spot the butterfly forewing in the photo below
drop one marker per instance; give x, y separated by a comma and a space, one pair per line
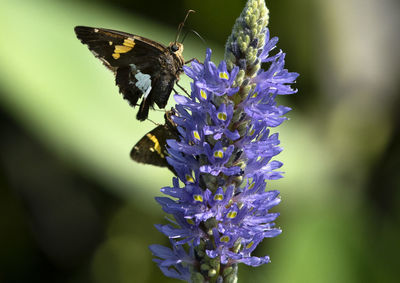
120, 48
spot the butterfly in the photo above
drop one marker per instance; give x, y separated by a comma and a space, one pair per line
143, 68
151, 148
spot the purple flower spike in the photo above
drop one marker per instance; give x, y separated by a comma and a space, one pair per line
225, 154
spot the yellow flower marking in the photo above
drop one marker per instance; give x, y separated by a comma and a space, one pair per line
218, 154
224, 239
251, 186
223, 75
198, 198
189, 179
218, 197
249, 245
222, 116
232, 214
196, 135
203, 94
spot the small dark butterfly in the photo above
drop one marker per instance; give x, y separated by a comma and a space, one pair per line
142, 67
151, 149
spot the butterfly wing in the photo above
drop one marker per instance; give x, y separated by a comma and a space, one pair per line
119, 49
142, 66
151, 149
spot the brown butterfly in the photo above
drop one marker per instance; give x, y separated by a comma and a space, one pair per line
143, 68
151, 149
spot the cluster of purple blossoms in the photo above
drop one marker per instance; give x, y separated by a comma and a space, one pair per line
220, 207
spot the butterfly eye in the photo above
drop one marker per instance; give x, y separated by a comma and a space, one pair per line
174, 48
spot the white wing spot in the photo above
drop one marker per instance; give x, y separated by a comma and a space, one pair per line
143, 81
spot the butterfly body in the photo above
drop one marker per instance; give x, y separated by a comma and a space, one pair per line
143, 68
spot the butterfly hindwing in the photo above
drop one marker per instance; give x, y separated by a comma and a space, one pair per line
143, 67
151, 149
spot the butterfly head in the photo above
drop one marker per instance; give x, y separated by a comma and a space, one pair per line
177, 49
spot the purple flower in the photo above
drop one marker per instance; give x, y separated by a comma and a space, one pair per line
221, 118
209, 78
176, 257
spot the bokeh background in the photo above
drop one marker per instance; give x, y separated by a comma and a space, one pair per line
74, 207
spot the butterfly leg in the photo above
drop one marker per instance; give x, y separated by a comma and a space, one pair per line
155, 123
184, 90
189, 61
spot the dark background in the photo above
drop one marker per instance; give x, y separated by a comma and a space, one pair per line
74, 208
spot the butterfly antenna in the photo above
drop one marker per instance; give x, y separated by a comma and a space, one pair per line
196, 33
182, 24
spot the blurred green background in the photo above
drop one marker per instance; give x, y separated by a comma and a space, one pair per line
75, 208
